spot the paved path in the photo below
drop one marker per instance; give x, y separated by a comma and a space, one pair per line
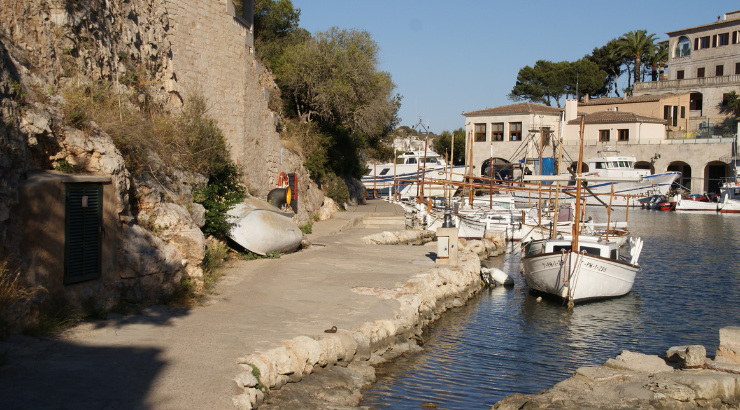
185, 359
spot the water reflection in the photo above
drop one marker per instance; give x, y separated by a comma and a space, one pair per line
505, 341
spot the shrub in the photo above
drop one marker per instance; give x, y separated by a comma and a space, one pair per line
307, 228
223, 191
335, 188
216, 253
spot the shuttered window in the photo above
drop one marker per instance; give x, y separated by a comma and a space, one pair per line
83, 232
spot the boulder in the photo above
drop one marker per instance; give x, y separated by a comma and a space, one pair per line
689, 356
638, 362
729, 345
245, 379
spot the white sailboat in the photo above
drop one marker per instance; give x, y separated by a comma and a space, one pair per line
582, 268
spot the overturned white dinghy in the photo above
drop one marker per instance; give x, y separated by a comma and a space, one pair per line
262, 228
496, 275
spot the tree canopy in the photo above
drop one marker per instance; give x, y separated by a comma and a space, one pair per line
442, 145
334, 78
636, 45
275, 28
547, 81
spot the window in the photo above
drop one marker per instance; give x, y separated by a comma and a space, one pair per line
700, 72
696, 43
599, 165
719, 70
83, 225
497, 131
704, 42
734, 37
624, 135
666, 112
515, 131
725, 97
411, 160
714, 40
683, 47
603, 135
480, 132
679, 75
723, 39
737, 68
683, 111
675, 115
384, 171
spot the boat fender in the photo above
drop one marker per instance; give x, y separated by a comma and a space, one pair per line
279, 197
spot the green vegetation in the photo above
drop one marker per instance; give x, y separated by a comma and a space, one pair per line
64, 166
442, 145
191, 142
547, 81
336, 100
307, 228
250, 256
596, 74
61, 316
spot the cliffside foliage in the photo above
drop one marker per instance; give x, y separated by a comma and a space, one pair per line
153, 141
442, 145
337, 101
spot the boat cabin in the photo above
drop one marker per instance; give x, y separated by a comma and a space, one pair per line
611, 164
417, 157
730, 189
589, 245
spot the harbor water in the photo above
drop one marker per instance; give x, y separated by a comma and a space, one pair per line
504, 341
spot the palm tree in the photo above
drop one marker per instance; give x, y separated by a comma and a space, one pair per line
635, 45
657, 57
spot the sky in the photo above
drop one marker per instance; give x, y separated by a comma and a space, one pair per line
449, 57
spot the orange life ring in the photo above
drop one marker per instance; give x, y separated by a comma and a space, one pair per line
283, 180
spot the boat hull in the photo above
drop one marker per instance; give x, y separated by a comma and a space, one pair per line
684, 205
262, 230
578, 277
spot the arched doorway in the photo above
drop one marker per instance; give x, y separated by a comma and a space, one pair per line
645, 165
714, 172
501, 168
684, 169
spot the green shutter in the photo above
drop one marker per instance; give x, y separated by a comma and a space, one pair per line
83, 233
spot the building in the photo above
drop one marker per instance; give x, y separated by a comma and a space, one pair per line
512, 133
704, 61
673, 108
498, 132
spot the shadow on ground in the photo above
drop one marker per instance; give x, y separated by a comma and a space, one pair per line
52, 374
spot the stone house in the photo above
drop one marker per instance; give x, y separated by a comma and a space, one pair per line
704, 61
497, 133
703, 162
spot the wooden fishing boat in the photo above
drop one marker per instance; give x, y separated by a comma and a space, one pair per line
582, 268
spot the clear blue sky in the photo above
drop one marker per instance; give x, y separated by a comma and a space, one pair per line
447, 57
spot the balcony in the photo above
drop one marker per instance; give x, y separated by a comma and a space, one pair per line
685, 84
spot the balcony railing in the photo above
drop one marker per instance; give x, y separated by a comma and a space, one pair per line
687, 83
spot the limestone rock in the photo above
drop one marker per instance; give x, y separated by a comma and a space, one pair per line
242, 402
729, 344
638, 362
690, 356
328, 209
306, 350
245, 379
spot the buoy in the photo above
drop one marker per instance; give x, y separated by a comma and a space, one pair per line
498, 275
283, 181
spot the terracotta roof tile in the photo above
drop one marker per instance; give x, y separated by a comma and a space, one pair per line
602, 117
519, 108
625, 100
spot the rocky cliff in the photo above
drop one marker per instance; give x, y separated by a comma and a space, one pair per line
156, 53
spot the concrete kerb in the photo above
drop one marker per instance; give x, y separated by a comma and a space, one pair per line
423, 298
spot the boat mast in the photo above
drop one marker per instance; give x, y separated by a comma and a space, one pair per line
577, 222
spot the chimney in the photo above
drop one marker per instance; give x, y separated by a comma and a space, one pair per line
571, 109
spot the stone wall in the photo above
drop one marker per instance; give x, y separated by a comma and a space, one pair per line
211, 55
160, 52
